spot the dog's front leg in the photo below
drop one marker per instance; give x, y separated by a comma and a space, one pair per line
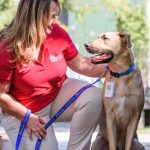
131, 131
111, 130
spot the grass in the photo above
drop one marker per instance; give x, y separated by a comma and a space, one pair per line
145, 130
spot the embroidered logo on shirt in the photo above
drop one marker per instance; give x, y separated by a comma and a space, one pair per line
56, 58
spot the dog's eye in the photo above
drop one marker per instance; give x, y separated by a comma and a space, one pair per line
105, 38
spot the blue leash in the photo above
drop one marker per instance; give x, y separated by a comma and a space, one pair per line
22, 127
64, 107
70, 101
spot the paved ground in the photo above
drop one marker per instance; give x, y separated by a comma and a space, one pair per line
62, 134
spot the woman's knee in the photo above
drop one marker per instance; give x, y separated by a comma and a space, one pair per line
95, 99
90, 101
91, 96
96, 95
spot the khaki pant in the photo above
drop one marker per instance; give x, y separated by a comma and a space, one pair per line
84, 115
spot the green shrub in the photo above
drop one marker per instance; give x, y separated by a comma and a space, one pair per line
132, 19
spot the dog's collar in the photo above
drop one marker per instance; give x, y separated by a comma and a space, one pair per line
119, 74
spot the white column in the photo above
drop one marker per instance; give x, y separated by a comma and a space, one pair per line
148, 15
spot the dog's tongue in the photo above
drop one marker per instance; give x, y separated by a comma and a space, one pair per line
100, 57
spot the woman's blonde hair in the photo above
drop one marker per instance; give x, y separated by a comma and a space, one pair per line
27, 28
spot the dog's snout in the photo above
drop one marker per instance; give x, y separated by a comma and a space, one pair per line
87, 45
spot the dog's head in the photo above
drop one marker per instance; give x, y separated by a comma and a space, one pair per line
109, 46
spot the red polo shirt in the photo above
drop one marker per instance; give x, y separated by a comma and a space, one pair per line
37, 85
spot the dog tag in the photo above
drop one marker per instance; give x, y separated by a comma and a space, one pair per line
109, 89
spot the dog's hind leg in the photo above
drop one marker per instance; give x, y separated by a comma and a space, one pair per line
111, 130
131, 131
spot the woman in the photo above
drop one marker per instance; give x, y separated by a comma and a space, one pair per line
35, 52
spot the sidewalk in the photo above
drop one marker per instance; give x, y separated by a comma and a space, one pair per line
62, 134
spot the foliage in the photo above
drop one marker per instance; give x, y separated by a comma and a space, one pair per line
144, 130
4, 4
7, 11
132, 19
80, 8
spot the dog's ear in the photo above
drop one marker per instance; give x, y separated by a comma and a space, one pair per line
125, 38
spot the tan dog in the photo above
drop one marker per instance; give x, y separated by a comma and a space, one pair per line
123, 96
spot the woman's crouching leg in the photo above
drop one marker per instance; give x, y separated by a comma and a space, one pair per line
85, 119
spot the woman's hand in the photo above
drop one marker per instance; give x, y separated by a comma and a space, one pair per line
35, 125
11, 106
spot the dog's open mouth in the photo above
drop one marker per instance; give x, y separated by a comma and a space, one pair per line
103, 57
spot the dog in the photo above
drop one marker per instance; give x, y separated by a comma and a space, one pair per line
123, 94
